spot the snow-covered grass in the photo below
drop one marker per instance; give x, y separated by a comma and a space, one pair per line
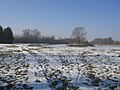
58, 67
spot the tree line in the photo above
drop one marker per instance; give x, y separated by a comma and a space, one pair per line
6, 35
108, 40
34, 36
78, 37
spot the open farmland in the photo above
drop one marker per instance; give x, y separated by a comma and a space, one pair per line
58, 67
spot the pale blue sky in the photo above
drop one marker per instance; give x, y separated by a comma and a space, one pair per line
100, 18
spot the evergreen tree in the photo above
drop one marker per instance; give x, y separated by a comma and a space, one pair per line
8, 36
1, 34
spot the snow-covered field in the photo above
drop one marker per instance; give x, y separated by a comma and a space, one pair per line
58, 67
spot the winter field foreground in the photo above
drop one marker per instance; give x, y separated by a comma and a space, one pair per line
58, 67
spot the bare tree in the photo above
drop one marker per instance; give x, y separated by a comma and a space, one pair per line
78, 35
31, 35
26, 33
36, 34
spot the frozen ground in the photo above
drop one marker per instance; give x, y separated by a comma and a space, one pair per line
58, 67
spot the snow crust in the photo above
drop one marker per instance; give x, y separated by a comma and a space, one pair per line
49, 67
